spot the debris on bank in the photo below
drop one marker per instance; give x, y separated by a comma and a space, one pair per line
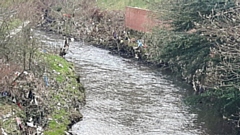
44, 102
104, 29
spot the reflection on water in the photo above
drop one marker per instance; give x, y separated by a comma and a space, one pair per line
124, 98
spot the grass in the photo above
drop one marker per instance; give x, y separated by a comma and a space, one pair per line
9, 24
58, 125
121, 4
60, 65
14, 23
60, 115
9, 3
9, 124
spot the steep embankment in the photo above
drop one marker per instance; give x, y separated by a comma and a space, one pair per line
42, 99
39, 92
51, 102
67, 95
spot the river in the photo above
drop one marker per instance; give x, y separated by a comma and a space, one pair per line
127, 98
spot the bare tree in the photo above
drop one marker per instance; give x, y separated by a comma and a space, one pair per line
222, 28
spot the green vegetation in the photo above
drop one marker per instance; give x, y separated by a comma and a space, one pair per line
15, 23
185, 53
121, 4
8, 25
59, 65
201, 47
185, 15
20, 53
72, 90
65, 89
9, 3
60, 120
59, 124
10, 123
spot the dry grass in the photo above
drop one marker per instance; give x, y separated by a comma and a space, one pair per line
4, 109
7, 73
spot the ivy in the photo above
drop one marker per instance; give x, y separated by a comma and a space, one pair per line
186, 13
188, 52
215, 24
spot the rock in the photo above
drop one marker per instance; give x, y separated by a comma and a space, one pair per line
75, 116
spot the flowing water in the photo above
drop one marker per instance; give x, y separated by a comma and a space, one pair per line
125, 98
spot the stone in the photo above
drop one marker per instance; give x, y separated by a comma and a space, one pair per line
75, 116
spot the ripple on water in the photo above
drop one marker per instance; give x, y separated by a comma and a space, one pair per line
126, 99
123, 99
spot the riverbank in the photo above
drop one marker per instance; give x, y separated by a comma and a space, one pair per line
40, 92
44, 101
68, 95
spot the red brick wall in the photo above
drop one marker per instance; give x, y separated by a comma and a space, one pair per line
139, 19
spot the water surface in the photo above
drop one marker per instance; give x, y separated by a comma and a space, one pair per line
125, 98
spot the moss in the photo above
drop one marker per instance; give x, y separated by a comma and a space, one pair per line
14, 23
58, 125
60, 115
60, 65
54, 62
